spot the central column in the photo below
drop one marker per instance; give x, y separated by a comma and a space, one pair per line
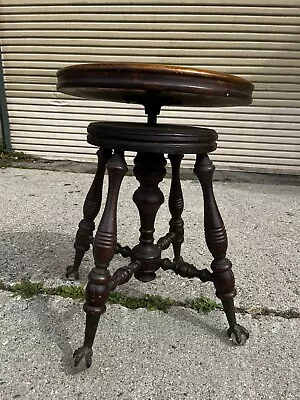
149, 170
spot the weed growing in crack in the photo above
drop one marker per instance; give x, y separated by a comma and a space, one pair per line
149, 302
29, 289
201, 304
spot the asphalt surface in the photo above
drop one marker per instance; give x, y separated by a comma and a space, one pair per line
141, 354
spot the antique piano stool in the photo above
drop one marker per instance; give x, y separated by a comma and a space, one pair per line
152, 86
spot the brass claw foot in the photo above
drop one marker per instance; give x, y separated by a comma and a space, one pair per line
83, 353
72, 273
238, 334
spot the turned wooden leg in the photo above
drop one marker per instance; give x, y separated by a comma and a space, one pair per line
176, 205
149, 170
91, 207
216, 240
104, 247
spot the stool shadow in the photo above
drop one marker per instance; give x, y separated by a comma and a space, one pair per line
197, 319
53, 325
40, 256
36, 255
189, 316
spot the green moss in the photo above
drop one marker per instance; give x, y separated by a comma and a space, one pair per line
29, 289
72, 292
201, 304
149, 302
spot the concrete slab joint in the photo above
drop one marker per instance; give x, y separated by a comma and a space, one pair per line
141, 354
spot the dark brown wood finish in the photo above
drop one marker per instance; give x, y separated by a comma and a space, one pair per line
159, 138
104, 247
186, 270
176, 205
125, 251
149, 170
152, 86
91, 207
216, 239
123, 274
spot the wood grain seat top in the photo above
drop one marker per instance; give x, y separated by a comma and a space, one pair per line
147, 83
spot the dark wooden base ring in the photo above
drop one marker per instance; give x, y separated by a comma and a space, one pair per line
158, 138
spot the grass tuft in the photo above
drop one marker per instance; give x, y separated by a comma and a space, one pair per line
149, 302
28, 289
72, 292
201, 304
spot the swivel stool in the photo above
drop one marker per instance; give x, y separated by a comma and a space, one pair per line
152, 86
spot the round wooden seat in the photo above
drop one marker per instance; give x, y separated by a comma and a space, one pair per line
153, 86
160, 84
158, 138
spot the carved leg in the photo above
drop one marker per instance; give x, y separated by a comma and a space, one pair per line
216, 240
176, 205
91, 209
104, 247
149, 170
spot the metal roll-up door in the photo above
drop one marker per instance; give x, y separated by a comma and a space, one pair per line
258, 40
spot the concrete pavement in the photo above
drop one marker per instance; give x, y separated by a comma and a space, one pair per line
141, 354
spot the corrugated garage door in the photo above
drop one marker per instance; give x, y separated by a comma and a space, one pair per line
258, 40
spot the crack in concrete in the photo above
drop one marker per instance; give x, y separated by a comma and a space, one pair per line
257, 312
160, 303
